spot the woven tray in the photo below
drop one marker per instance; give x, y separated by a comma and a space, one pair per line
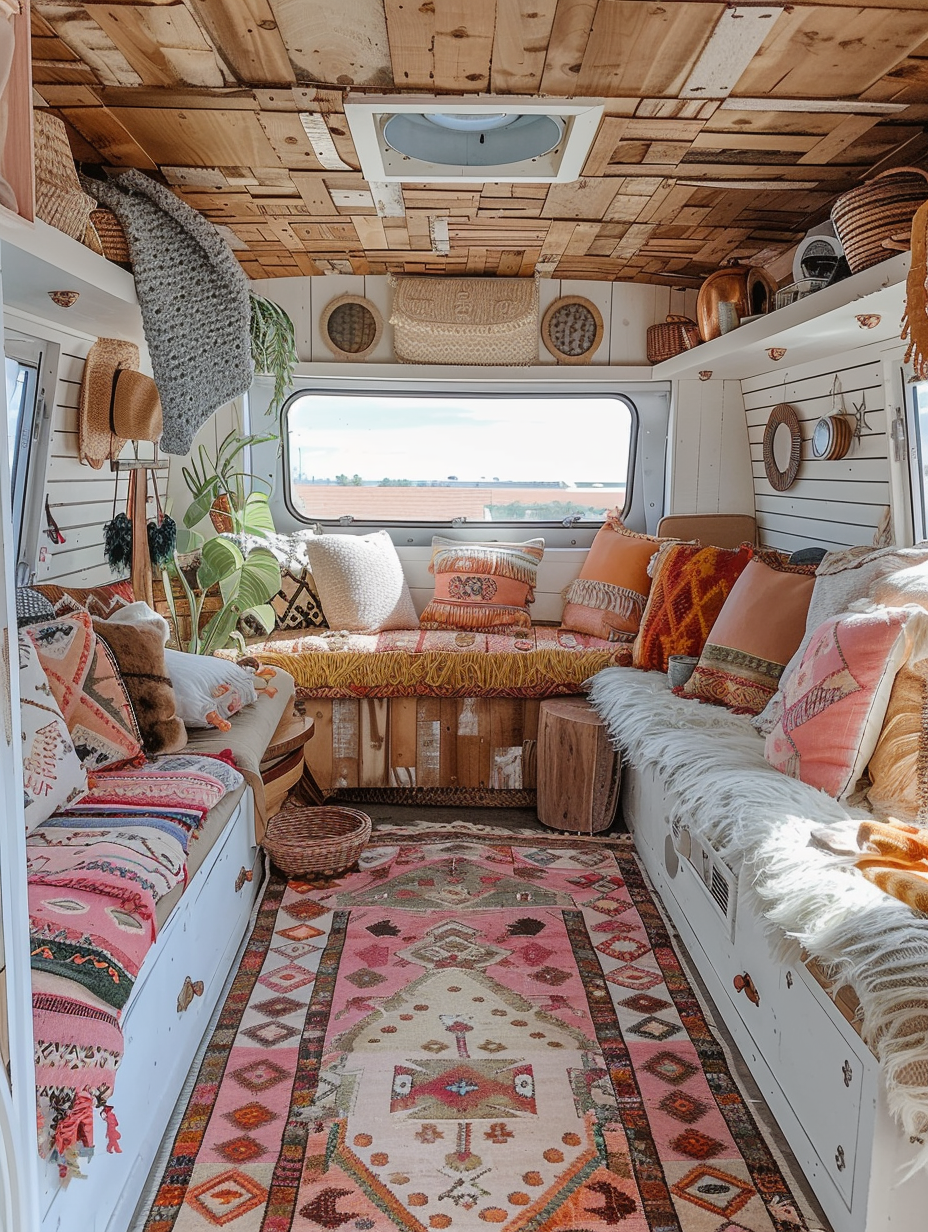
325, 840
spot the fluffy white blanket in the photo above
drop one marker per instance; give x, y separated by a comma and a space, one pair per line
713, 761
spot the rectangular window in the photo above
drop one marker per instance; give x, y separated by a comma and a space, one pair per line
21, 391
409, 458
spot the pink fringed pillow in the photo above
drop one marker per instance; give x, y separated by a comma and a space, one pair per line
835, 699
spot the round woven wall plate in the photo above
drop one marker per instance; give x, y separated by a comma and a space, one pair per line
779, 479
572, 329
351, 326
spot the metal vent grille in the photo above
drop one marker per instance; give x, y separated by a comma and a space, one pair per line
720, 891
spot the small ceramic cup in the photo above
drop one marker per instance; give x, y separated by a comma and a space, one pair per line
680, 668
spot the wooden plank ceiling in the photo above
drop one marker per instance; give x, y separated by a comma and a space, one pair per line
728, 129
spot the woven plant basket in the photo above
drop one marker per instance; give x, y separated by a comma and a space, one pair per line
59, 199
327, 840
672, 337
873, 213
113, 242
212, 603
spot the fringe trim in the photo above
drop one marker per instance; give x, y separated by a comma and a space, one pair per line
538, 673
602, 596
754, 815
485, 617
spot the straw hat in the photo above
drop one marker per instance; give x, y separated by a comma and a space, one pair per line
96, 442
136, 406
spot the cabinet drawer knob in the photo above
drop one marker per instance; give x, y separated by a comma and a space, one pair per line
744, 983
848, 1073
245, 874
191, 989
839, 1159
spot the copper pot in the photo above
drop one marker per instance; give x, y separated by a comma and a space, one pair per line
728, 285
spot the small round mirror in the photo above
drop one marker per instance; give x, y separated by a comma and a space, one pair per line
782, 446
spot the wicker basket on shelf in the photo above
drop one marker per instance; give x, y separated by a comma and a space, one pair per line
870, 217
59, 199
671, 337
322, 841
111, 235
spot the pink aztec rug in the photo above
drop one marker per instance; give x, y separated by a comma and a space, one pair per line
466, 1034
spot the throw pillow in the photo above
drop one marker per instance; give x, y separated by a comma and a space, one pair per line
608, 598
53, 774
297, 604
845, 578
754, 636
485, 586
139, 653
899, 765
689, 585
85, 682
100, 601
360, 582
32, 607
208, 691
835, 699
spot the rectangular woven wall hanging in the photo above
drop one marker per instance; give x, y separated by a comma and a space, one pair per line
465, 320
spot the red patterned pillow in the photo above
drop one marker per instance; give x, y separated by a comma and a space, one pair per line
101, 601
86, 684
689, 584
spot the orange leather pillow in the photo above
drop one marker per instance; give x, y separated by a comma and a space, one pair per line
690, 583
608, 598
755, 635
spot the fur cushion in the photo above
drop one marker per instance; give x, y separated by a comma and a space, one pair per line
139, 653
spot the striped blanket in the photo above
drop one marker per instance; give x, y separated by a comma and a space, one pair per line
96, 872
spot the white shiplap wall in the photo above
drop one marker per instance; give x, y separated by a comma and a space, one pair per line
80, 498
627, 308
832, 504
709, 467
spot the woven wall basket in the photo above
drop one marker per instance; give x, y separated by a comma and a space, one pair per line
873, 213
465, 320
113, 242
671, 337
59, 199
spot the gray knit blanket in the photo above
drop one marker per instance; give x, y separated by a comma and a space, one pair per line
194, 299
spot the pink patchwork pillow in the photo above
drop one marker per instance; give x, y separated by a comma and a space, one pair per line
835, 698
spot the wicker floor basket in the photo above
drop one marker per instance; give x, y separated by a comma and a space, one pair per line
876, 212
324, 840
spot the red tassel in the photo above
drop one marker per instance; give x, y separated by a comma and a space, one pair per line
226, 755
77, 1126
112, 1130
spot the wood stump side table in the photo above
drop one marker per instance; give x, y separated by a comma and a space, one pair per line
283, 766
579, 772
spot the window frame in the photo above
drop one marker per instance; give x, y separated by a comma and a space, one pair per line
28, 494
917, 458
432, 525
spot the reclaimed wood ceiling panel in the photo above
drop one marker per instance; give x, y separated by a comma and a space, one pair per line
728, 130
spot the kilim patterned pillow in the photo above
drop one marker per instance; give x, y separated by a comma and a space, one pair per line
754, 636
53, 775
485, 586
689, 584
86, 684
101, 601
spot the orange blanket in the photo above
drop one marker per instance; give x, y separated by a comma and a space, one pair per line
894, 856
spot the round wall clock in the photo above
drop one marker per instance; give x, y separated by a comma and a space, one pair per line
572, 329
351, 326
782, 446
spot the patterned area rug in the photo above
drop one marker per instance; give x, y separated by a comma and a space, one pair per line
464, 1034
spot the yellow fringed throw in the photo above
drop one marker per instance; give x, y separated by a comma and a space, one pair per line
915, 317
537, 673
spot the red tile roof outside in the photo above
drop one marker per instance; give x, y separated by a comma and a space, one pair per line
441, 504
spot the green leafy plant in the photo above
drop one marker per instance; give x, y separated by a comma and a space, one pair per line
273, 346
246, 583
247, 578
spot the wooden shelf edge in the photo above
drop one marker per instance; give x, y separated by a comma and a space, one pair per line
74, 260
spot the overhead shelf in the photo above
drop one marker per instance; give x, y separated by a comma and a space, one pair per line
37, 259
820, 325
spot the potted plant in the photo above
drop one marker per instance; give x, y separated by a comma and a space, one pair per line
246, 574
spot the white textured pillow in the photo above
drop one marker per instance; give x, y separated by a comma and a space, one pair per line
360, 582
53, 774
208, 691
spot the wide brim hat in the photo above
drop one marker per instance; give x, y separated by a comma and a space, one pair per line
137, 414
96, 442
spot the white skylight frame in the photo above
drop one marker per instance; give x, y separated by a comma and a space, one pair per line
381, 164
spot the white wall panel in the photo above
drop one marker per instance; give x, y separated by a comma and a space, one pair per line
833, 504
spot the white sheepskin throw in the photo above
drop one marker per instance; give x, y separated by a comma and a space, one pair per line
714, 761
